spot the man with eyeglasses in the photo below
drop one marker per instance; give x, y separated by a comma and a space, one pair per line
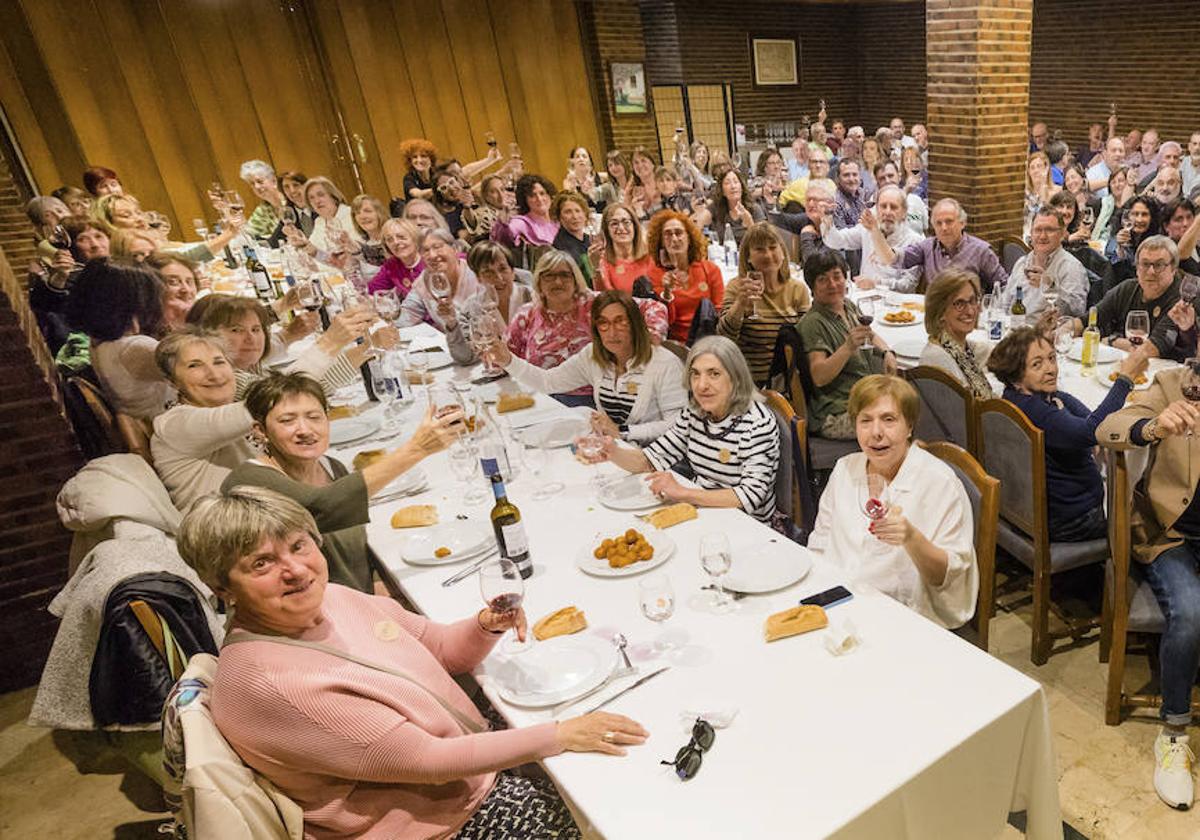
1154, 290
1049, 270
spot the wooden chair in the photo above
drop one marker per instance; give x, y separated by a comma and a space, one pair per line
947, 408
787, 490
1013, 450
1012, 249
820, 453
984, 493
94, 420
135, 434
678, 349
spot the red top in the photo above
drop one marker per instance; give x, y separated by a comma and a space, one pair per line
704, 281
622, 275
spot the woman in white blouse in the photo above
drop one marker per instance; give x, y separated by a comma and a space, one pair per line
637, 386
922, 552
334, 216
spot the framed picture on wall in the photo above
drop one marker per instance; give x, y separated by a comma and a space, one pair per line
629, 87
776, 61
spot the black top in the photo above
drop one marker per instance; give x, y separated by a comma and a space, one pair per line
413, 181
1126, 297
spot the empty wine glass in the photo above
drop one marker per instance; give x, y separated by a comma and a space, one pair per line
754, 287
501, 586
536, 457
874, 500
439, 285
387, 304
1137, 327
866, 315
656, 598
288, 215
418, 366
1064, 337
464, 463
201, 228
387, 389
591, 447
716, 558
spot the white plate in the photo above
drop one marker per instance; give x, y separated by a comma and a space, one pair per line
555, 671
350, 429
918, 317
464, 539
909, 348
766, 566
489, 392
629, 493
663, 545
1151, 371
406, 482
1108, 355
555, 433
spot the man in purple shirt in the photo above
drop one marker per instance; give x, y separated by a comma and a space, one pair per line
949, 246
849, 202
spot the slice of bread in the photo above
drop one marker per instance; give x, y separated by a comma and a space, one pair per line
367, 457
672, 515
559, 623
415, 516
340, 412
513, 402
801, 619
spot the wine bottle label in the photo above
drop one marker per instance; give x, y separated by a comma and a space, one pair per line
515, 542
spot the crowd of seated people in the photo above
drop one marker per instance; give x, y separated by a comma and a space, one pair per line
604, 294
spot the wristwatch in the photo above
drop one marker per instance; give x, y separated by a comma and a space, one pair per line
1150, 431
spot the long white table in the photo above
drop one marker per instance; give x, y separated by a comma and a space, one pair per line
913, 734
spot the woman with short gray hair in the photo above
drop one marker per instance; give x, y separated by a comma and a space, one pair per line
726, 434
264, 221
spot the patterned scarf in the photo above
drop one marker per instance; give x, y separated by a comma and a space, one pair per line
964, 357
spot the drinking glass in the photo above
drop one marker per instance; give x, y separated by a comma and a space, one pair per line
668, 264
716, 558
387, 304
755, 288
656, 597
464, 463
201, 228
866, 314
1189, 287
444, 399
1064, 337
418, 364
1137, 327
288, 215
387, 389
489, 137
514, 150
439, 285
233, 200
874, 500
536, 457
591, 446
501, 585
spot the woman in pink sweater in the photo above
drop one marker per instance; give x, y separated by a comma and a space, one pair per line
363, 750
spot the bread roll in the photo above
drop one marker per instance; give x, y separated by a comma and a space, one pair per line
559, 623
801, 619
415, 516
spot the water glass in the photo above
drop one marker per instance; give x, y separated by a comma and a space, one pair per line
716, 559
464, 464
656, 598
536, 457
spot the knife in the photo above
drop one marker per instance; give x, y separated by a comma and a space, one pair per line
628, 688
463, 574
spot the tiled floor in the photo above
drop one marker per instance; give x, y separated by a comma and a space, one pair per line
55, 785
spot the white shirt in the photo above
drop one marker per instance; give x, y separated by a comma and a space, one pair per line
1064, 272
1096, 172
320, 233
931, 497
130, 376
917, 216
885, 276
1190, 173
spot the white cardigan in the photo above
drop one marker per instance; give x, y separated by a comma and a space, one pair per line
659, 383
932, 498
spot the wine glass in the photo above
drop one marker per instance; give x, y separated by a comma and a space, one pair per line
591, 447
387, 389
439, 285
656, 597
716, 558
387, 304
501, 585
1064, 337
233, 200
1189, 286
874, 499
464, 463
754, 287
1137, 327
444, 399
536, 457
418, 365
489, 137
288, 215
866, 315
201, 228
668, 264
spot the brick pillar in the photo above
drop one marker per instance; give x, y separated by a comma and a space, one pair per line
977, 55
612, 31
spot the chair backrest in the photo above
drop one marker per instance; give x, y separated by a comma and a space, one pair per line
1013, 450
787, 496
676, 348
135, 434
94, 420
947, 407
983, 491
1011, 251
797, 370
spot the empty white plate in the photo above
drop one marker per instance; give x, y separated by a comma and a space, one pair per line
586, 560
555, 671
629, 493
909, 348
350, 429
1107, 354
555, 433
464, 539
765, 566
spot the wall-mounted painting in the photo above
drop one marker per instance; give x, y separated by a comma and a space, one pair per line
629, 87
776, 61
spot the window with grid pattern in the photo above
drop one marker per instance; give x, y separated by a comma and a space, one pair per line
710, 118
668, 114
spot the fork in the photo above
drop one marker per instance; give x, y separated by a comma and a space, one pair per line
737, 596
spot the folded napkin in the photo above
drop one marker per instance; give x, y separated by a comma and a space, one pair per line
841, 637
718, 713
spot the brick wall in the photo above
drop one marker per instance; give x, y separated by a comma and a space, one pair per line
1141, 56
890, 40
37, 454
612, 31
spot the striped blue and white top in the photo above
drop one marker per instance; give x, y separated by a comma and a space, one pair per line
740, 453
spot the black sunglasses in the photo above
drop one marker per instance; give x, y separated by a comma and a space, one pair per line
688, 759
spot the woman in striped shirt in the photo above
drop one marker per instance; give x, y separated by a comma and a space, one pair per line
726, 434
637, 386
754, 309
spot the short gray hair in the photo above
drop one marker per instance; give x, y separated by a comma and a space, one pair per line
1160, 243
168, 349
253, 168
731, 358
414, 203
221, 528
551, 260
953, 202
39, 204
437, 233
892, 188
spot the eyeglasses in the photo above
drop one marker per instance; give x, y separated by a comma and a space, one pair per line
669, 232
557, 277
622, 223
1156, 266
963, 305
688, 759
604, 325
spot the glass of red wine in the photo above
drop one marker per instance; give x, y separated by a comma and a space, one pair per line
668, 264
1137, 327
874, 500
503, 590
866, 316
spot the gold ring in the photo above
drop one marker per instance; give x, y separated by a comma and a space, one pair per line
609, 737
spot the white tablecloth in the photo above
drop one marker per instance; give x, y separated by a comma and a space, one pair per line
914, 734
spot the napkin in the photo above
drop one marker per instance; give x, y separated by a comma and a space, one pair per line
841, 637
719, 714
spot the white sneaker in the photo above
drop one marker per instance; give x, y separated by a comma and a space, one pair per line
1173, 770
